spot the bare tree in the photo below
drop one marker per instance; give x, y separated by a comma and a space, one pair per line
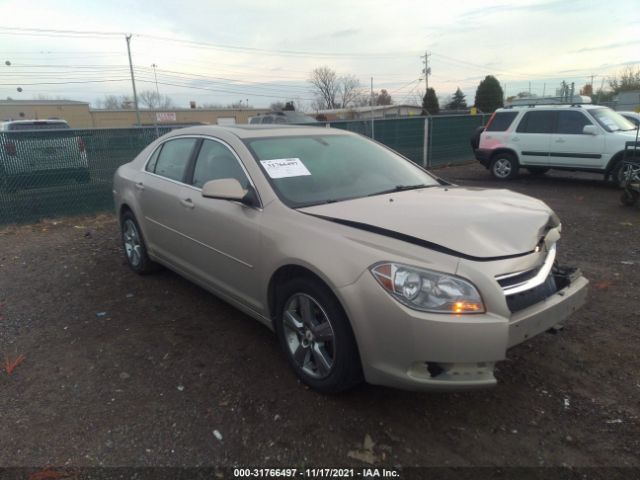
326, 86
349, 87
113, 102
152, 100
628, 79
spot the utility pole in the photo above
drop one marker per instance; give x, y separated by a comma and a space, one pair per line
372, 124
133, 79
155, 75
426, 70
155, 120
600, 91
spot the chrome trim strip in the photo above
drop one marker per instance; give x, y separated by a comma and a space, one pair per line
539, 279
200, 243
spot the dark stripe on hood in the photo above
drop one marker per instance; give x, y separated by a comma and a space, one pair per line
414, 240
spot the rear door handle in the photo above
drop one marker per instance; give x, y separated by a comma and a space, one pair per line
139, 186
187, 202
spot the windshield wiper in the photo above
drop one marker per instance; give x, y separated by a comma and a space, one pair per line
400, 188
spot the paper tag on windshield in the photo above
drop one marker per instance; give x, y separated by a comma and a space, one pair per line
285, 167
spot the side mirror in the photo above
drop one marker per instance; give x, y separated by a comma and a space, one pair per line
589, 130
229, 189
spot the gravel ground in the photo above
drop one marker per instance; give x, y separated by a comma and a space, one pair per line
122, 370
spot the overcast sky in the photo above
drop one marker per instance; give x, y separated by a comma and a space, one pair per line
263, 51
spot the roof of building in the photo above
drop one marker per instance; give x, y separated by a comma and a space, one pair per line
42, 102
368, 109
163, 110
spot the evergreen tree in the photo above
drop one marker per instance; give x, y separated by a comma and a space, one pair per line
430, 105
458, 101
489, 95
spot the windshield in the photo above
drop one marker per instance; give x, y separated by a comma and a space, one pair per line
611, 121
310, 170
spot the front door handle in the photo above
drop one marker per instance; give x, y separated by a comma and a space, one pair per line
140, 186
187, 202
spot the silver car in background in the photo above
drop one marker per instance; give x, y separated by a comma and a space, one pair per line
30, 156
365, 265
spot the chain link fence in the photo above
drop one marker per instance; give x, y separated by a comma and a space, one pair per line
49, 173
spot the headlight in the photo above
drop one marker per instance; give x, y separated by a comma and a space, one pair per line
428, 291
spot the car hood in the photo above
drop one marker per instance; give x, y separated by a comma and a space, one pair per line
473, 223
629, 135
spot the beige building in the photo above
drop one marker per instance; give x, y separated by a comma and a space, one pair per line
362, 113
80, 115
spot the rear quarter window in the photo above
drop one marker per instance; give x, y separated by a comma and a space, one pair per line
537, 122
501, 121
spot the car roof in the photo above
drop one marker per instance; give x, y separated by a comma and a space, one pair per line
259, 130
551, 106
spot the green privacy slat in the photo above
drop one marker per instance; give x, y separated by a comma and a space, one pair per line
52, 173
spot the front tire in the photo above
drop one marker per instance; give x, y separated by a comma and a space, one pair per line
504, 166
135, 249
315, 334
624, 172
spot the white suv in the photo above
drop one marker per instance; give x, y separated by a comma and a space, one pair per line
575, 137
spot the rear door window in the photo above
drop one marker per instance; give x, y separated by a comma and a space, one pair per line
174, 157
215, 161
501, 121
571, 123
537, 122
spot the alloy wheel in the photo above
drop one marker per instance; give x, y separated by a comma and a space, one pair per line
132, 244
309, 335
502, 168
630, 172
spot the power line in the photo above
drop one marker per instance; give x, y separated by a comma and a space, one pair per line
54, 31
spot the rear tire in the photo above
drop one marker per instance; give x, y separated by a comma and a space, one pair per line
504, 166
316, 337
475, 138
135, 248
622, 171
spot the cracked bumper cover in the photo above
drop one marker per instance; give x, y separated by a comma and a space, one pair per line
413, 350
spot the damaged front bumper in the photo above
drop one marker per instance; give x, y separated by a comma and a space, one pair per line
570, 289
414, 350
